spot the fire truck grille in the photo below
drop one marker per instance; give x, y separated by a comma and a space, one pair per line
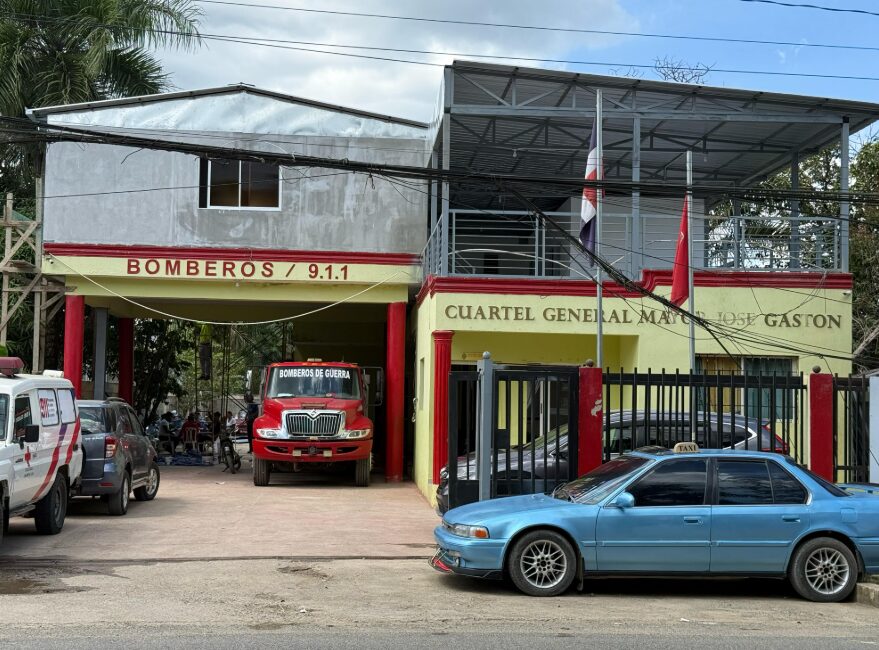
323, 423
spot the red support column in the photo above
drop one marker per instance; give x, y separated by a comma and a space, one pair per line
821, 451
126, 359
442, 366
74, 329
590, 423
396, 388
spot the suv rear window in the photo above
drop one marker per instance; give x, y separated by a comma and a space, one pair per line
92, 419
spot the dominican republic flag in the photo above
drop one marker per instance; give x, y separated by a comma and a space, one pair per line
680, 275
589, 205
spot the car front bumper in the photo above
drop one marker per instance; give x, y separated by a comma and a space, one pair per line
479, 558
312, 451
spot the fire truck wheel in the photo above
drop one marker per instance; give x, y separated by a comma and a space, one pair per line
361, 472
262, 472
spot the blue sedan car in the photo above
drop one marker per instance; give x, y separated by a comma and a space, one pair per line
682, 513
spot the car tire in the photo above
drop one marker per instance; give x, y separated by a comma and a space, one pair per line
117, 504
823, 570
149, 491
542, 563
2, 517
262, 472
51, 510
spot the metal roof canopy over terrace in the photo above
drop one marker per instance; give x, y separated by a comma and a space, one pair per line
525, 121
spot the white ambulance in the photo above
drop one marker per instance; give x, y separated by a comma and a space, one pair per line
40, 451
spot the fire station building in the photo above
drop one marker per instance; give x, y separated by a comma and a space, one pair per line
422, 277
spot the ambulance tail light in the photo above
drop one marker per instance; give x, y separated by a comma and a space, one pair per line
109, 446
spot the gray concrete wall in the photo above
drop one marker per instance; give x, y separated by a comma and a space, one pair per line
106, 194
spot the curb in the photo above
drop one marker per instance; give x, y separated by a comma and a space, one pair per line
867, 593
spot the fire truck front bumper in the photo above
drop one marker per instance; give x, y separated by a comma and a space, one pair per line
311, 451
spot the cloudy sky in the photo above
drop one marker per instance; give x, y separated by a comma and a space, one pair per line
410, 90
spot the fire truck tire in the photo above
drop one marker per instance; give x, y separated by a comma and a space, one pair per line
361, 472
52, 509
262, 472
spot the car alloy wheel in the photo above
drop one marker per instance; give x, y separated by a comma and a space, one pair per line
152, 482
543, 564
827, 571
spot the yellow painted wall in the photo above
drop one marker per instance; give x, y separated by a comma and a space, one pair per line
540, 329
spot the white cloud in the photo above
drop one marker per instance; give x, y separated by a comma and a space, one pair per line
393, 88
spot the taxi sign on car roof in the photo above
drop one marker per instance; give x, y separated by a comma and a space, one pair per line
685, 448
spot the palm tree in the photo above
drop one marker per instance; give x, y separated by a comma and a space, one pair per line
68, 51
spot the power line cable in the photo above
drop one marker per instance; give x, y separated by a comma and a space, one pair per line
799, 5
278, 44
574, 30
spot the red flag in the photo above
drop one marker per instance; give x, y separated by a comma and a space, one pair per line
680, 277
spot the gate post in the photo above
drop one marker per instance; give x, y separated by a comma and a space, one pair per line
821, 451
873, 440
442, 365
74, 328
484, 425
590, 447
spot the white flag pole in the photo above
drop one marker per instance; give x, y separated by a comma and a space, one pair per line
691, 259
599, 174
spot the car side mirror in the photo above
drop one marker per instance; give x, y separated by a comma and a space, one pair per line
31, 434
624, 500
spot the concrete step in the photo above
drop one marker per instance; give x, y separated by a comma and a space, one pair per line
868, 593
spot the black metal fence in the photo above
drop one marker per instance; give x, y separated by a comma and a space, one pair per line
717, 410
851, 428
533, 431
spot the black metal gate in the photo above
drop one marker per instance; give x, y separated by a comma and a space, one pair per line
757, 412
851, 429
533, 432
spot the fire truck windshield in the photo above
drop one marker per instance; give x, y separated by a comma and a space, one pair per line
314, 381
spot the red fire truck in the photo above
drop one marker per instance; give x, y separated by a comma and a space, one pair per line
312, 412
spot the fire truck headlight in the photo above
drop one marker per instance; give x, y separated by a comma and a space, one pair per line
270, 433
355, 434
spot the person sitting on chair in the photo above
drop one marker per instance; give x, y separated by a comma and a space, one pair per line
189, 432
166, 435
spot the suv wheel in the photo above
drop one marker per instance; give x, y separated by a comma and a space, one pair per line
117, 504
148, 492
542, 563
51, 510
262, 472
824, 570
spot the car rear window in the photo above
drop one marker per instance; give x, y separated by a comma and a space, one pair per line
92, 419
823, 482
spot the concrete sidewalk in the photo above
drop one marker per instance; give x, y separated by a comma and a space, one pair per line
205, 513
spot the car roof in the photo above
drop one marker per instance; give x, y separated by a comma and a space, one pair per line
664, 454
100, 402
23, 382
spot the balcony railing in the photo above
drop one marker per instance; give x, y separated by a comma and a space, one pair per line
517, 244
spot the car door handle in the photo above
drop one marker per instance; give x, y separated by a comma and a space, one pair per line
791, 518
692, 520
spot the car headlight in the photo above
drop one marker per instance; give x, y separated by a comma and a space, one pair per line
463, 530
355, 434
270, 433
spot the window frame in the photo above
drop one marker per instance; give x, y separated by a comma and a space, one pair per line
29, 396
209, 206
707, 496
48, 393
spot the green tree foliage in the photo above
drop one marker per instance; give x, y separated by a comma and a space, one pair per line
160, 362
865, 257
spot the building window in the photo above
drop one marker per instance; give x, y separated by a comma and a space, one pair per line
759, 401
236, 184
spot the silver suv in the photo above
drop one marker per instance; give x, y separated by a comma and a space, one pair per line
118, 455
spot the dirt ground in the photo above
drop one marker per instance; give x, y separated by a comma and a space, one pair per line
204, 513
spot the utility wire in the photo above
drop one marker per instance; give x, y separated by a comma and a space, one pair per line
277, 44
804, 5
573, 30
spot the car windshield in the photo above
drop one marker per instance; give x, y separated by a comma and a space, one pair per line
548, 439
91, 419
314, 381
596, 485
